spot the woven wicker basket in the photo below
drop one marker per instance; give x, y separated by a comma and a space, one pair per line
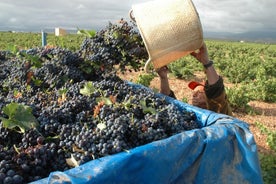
170, 29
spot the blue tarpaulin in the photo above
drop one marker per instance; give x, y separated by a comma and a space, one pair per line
222, 151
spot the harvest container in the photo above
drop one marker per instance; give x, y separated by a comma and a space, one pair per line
170, 29
222, 151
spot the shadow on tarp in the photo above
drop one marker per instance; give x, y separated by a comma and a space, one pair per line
222, 151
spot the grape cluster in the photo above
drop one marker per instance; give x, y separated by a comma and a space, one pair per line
75, 127
118, 45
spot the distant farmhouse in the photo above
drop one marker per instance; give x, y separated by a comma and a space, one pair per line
60, 31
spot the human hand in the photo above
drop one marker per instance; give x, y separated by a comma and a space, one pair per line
162, 72
202, 54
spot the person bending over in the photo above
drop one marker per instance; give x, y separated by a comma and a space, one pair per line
209, 95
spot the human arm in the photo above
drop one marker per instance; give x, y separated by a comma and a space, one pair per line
202, 56
214, 87
164, 81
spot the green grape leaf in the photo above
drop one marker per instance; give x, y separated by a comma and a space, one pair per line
20, 116
116, 34
146, 109
37, 82
35, 60
62, 91
127, 104
88, 89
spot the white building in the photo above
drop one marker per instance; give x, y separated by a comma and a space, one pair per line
60, 31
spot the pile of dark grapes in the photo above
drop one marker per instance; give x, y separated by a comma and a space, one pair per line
118, 45
83, 110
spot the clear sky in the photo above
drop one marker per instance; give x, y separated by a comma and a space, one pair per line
233, 16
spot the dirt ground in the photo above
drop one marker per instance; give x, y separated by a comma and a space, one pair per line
266, 112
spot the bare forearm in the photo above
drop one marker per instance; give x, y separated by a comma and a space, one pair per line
211, 75
164, 86
202, 56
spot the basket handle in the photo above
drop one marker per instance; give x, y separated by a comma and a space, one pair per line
131, 15
146, 67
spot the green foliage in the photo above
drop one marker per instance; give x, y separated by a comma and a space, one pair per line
35, 61
185, 68
22, 41
20, 117
145, 79
251, 65
185, 100
88, 89
13, 49
248, 64
147, 108
268, 162
88, 33
271, 135
238, 97
268, 167
263, 88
